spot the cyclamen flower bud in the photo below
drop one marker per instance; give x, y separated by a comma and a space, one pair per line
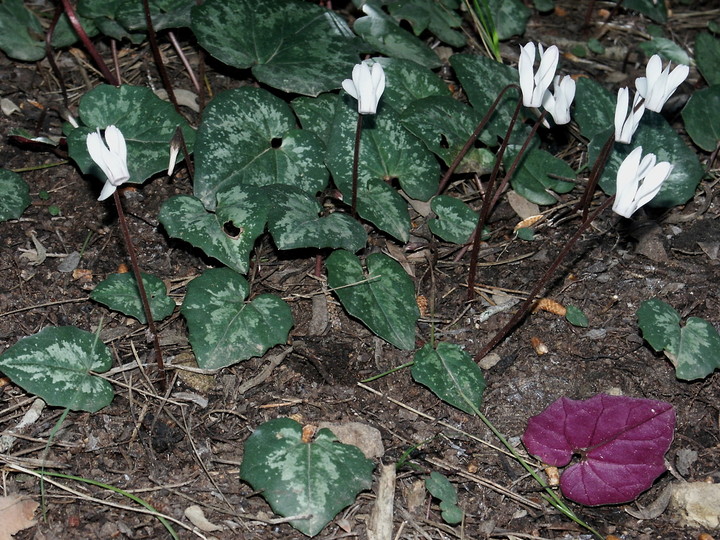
367, 85
111, 156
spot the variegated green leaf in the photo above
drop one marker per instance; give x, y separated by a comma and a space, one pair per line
694, 348
165, 14
248, 137
407, 81
451, 374
317, 114
291, 45
594, 108
147, 123
538, 173
657, 136
385, 35
702, 117
295, 221
120, 292
224, 328
15, 195
387, 152
56, 364
444, 125
314, 478
383, 297
228, 234
455, 221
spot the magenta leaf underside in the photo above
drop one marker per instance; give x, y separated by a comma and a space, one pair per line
621, 440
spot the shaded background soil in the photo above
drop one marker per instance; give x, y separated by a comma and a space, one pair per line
184, 451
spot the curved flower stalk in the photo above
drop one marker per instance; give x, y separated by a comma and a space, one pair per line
659, 84
111, 156
534, 85
558, 104
626, 123
638, 180
367, 85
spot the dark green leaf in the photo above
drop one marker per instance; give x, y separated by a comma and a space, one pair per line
119, 292
539, 172
455, 221
384, 34
576, 317
707, 56
702, 117
653, 9
594, 108
147, 123
315, 478
224, 328
510, 16
450, 373
667, 49
165, 14
407, 81
383, 297
291, 45
438, 17
15, 195
248, 137
56, 365
440, 487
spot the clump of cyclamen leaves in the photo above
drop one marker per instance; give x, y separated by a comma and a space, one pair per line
621, 442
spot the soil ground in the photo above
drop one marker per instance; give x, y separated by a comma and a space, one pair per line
183, 452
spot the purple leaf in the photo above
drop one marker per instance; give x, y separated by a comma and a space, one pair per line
621, 442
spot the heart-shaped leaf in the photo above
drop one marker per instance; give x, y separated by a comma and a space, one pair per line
444, 125
300, 477
621, 440
667, 49
295, 221
657, 136
15, 195
655, 10
451, 374
229, 233
707, 56
102, 13
248, 137
55, 365
408, 81
385, 35
438, 17
483, 79
594, 108
383, 298
510, 16
317, 114
440, 487
164, 13
147, 123
224, 329
455, 221
387, 151
120, 293
702, 117
291, 45
694, 349
539, 172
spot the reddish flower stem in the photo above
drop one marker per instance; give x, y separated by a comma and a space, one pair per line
356, 163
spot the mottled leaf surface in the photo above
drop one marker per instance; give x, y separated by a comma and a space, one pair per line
439, 17
383, 297
382, 32
147, 123
249, 137
538, 173
15, 195
224, 328
657, 136
694, 349
315, 478
55, 365
229, 233
119, 292
407, 81
451, 374
455, 220
296, 221
164, 13
707, 56
621, 440
444, 125
594, 108
291, 45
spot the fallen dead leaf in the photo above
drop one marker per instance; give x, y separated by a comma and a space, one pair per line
16, 514
197, 517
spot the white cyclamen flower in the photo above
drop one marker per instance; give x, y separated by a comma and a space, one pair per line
626, 123
659, 84
367, 85
110, 157
533, 85
558, 104
638, 181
